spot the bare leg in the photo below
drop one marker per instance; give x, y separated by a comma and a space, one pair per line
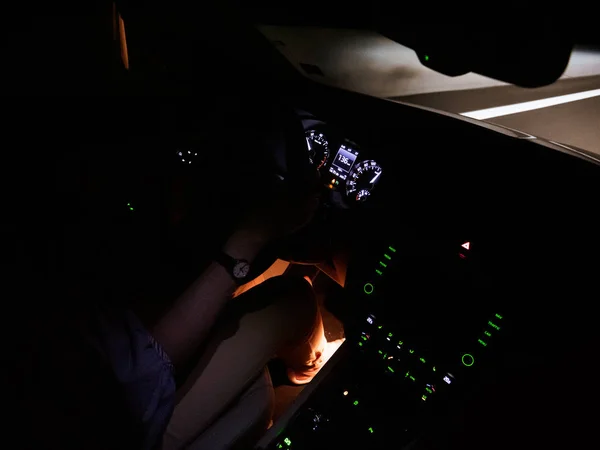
244, 422
279, 313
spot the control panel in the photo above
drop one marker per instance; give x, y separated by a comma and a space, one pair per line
428, 323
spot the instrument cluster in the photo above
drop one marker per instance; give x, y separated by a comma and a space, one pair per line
344, 167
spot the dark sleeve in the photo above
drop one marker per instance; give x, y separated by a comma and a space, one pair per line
142, 370
97, 382
66, 395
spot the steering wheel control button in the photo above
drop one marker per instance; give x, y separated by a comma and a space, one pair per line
468, 360
368, 288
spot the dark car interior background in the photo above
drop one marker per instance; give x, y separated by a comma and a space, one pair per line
458, 259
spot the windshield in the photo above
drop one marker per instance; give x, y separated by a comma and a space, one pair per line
364, 61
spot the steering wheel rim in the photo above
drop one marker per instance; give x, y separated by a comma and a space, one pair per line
296, 175
293, 163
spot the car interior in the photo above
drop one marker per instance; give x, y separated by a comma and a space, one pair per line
458, 259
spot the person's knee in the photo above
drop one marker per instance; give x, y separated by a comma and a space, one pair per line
293, 291
286, 304
297, 299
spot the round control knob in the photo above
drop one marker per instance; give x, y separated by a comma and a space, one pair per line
468, 359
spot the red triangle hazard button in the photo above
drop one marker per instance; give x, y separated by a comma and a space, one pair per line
466, 245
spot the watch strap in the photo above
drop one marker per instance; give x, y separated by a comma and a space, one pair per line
225, 260
229, 263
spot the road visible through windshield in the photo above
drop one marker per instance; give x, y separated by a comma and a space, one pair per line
364, 61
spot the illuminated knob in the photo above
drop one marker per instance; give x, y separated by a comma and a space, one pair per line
368, 288
468, 360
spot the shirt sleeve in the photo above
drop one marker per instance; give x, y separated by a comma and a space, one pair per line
142, 368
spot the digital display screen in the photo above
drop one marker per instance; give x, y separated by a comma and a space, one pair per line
343, 162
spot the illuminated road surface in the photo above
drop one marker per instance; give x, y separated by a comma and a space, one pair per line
369, 63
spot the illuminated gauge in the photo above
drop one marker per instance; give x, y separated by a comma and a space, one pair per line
318, 148
362, 195
362, 179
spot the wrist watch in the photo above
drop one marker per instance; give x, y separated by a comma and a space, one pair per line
239, 269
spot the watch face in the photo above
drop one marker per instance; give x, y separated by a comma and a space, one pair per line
241, 269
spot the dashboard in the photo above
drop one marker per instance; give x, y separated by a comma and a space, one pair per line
448, 301
453, 293
346, 170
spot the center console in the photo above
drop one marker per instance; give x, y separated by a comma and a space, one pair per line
428, 322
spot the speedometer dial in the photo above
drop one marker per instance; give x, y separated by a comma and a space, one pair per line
318, 148
361, 181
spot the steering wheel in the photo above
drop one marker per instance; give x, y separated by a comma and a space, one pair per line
290, 153
298, 177
266, 156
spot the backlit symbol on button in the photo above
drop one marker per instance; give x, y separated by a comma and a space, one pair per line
368, 288
466, 245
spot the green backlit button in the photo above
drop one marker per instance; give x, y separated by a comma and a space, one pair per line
368, 288
468, 360
493, 325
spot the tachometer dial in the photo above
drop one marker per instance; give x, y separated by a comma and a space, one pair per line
318, 148
361, 181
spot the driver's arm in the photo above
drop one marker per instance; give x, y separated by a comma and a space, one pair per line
183, 328
187, 323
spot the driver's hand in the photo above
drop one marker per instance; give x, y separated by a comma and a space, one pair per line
285, 212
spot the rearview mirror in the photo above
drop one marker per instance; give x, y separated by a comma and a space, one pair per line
520, 43
516, 46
